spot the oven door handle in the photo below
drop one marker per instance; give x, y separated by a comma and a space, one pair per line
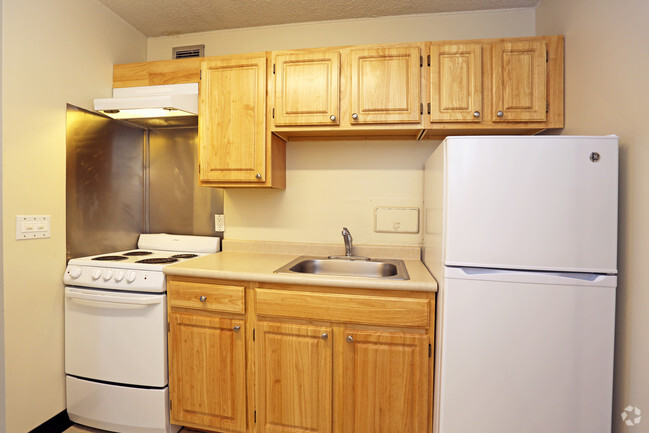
130, 299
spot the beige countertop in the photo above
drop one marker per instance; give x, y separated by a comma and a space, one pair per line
241, 265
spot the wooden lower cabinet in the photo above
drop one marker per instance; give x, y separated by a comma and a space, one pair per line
207, 372
384, 380
275, 358
294, 378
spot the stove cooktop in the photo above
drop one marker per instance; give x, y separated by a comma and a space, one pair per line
137, 269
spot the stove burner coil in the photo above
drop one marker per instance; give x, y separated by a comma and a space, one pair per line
160, 260
137, 253
110, 258
184, 256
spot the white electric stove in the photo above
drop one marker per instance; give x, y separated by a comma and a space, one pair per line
116, 334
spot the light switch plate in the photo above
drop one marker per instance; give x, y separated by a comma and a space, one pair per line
32, 227
396, 220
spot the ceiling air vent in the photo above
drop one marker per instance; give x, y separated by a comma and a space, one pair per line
186, 52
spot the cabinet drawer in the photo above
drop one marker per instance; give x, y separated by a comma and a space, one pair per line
217, 297
340, 307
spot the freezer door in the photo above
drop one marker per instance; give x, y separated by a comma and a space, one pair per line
541, 203
521, 354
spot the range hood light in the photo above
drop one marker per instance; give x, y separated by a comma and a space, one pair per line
174, 100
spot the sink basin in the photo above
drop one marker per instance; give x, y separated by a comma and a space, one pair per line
343, 267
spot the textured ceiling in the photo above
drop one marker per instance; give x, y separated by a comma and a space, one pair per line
172, 17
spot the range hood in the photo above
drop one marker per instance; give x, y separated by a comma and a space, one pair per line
153, 106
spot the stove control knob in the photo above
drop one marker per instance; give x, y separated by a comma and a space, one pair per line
96, 274
119, 276
107, 274
74, 272
130, 277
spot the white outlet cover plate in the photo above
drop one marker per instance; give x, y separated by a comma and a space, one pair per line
32, 227
396, 220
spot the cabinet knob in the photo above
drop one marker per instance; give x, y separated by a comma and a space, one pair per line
324, 336
332, 117
500, 114
203, 298
354, 116
258, 175
350, 339
476, 114
236, 328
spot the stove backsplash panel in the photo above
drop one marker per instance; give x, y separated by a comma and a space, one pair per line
123, 180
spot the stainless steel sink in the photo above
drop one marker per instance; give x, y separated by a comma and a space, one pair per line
345, 267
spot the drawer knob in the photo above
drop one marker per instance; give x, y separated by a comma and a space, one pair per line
258, 175
203, 298
500, 114
332, 117
324, 336
350, 339
476, 114
354, 116
236, 328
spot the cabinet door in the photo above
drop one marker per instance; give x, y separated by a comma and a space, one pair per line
385, 379
232, 121
307, 89
519, 81
294, 378
385, 85
456, 83
207, 374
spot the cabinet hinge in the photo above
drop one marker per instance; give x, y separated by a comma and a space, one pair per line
168, 327
430, 350
200, 75
273, 68
429, 108
170, 404
273, 112
421, 108
547, 107
421, 61
255, 416
547, 56
253, 334
428, 60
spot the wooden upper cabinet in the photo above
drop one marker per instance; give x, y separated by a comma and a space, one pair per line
307, 88
455, 83
385, 85
294, 378
385, 380
207, 371
519, 81
232, 119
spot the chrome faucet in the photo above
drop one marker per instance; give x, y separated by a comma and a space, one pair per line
347, 237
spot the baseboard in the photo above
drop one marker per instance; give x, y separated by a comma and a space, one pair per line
57, 424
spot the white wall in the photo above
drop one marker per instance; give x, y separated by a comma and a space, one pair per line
53, 53
410, 28
334, 184
607, 66
3, 417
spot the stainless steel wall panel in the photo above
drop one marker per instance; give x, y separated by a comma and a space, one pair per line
104, 184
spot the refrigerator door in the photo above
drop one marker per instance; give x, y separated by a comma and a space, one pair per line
525, 352
539, 203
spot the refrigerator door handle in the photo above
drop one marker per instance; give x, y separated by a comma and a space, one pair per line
562, 278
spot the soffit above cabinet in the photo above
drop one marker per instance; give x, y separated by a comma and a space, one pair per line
174, 17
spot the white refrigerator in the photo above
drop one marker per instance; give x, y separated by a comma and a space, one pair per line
521, 235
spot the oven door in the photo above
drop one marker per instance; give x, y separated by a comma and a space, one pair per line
116, 337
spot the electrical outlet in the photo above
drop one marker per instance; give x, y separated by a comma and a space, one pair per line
219, 222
